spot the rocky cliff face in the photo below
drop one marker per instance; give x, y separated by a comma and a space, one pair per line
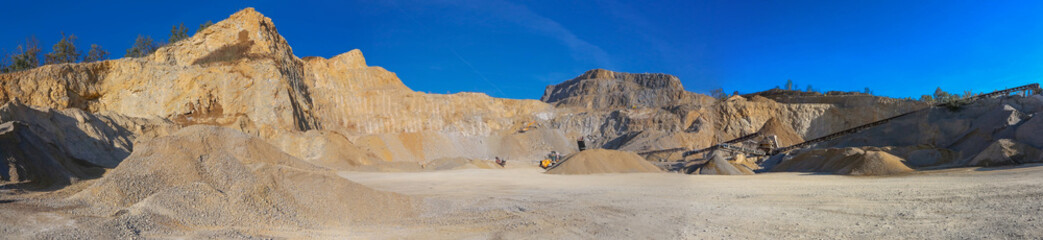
44, 147
601, 89
640, 112
241, 73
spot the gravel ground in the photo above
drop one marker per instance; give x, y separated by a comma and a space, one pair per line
524, 203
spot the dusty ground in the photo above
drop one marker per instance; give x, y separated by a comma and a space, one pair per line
524, 203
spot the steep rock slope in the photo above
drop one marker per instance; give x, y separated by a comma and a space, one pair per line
238, 72
638, 112
241, 73
601, 88
984, 132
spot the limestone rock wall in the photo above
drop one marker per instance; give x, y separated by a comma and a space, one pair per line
653, 111
601, 89
241, 73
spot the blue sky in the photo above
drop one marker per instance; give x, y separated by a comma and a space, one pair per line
514, 49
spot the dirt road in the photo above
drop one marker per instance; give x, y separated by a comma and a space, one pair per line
524, 203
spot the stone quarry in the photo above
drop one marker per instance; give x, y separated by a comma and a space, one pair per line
228, 134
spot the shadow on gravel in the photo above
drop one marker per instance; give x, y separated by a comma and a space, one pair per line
1027, 165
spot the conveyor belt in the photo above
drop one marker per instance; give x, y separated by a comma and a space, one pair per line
661, 151
1031, 87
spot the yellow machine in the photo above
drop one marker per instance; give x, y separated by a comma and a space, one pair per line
551, 160
527, 127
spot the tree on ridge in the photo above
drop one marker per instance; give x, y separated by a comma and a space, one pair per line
96, 54
178, 33
64, 51
143, 46
205, 25
26, 57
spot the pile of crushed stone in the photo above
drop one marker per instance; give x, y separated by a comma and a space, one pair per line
212, 177
717, 165
785, 133
596, 161
846, 161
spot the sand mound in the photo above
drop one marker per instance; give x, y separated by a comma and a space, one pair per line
719, 166
1006, 152
603, 161
922, 156
206, 176
787, 136
327, 149
849, 161
421, 147
459, 163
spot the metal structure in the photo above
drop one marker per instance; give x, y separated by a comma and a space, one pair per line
645, 154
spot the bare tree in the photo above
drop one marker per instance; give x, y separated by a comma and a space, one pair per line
926, 98
204, 26
64, 51
26, 57
178, 33
96, 54
718, 93
143, 46
3, 62
941, 95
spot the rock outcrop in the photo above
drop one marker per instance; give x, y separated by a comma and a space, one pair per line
600, 89
45, 148
640, 112
241, 73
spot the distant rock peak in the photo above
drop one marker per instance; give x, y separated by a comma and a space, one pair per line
650, 80
600, 88
246, 34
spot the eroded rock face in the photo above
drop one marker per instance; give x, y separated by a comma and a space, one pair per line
601, 89
238, 72
43, 147
241, 73
640, 112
